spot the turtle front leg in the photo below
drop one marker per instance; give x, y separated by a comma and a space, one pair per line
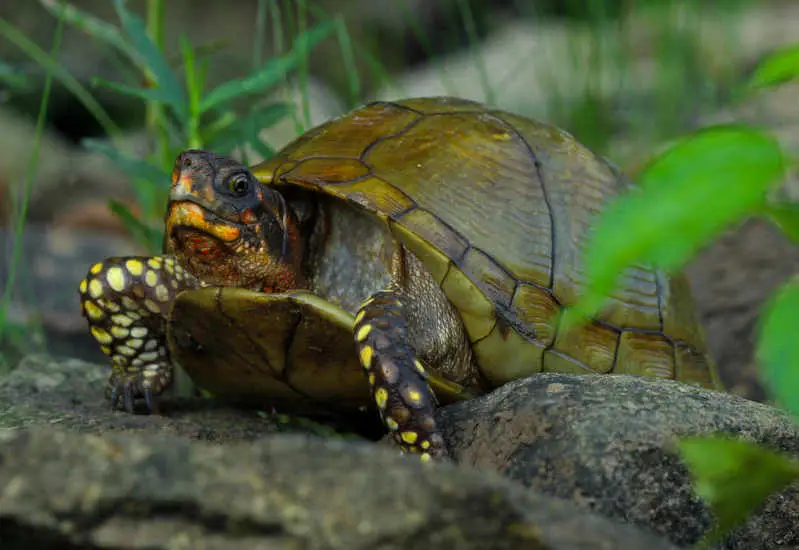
397, 378
126, 301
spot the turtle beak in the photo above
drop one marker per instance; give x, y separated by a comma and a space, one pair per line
188, 214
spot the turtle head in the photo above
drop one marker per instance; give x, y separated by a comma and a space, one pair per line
229, 229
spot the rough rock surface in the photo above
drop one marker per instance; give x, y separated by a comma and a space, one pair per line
146, 482
607, 444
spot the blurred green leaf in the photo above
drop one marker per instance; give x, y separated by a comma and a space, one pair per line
777, 348
687, 196
777, 68
133, 166
786, 217
146, 235
734, 477
92, 26
269, 74
147, 94
14, 78
32, 50
151, 181
171, 92
247, 129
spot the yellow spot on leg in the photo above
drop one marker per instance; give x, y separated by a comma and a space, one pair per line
363, 332
161, 293
151, 278
119, 332
381, 397
418, 366
84, 286
413, 395
101, 336
95, 288
93, 311
359, 317
116, 278
366, 357
122, 320
135, 267
409, 437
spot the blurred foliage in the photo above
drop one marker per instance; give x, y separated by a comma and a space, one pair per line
700, 186
182, 114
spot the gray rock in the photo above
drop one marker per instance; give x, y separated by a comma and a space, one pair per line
69, 393
607, 444
74, 474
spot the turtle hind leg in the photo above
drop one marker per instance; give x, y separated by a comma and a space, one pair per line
126, 301
397, 379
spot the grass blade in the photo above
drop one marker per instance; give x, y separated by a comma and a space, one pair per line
348, 59
474, 45
92, 26
62, 75
32, 165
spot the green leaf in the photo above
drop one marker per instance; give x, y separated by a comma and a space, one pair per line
269, 74
734, 477
786, 217
171, 92
150, 179
777, 348
91, 25
777, 68
133, 166
14, 78
247, 129
142, 233
687, 196
147, 94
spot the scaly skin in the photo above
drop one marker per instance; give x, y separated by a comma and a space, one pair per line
397, 379
126, 302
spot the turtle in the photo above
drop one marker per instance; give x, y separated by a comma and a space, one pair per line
400, 257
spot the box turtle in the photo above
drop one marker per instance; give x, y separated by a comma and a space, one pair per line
407, 254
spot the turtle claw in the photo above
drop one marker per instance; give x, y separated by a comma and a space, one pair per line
130, 387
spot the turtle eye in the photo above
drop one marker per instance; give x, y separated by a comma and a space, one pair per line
239, 184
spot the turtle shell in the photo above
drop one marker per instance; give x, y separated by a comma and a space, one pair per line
498, 207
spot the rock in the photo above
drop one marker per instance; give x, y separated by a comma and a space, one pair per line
731, 280
43, 391
74, 474
44, 299
606, 444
